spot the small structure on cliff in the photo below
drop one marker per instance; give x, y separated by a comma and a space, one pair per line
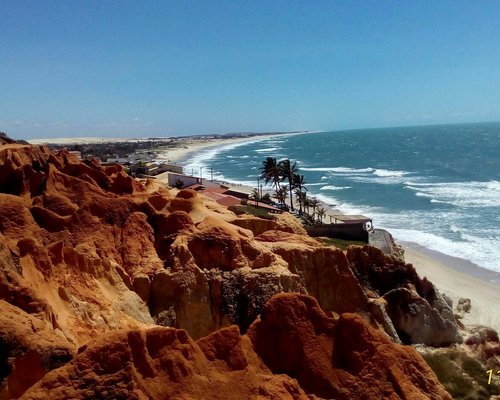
345, 227
352, 219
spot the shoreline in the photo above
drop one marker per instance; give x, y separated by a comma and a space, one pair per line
456, 264
459, 278
183, 153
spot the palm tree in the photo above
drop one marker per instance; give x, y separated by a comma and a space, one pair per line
307, 203
255, 195
321, 213
281, 194
287, 171
266, 198
299, 182
270, 172
314, 203
301, 197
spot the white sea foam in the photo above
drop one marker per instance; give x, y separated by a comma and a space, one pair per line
481, 251
366, 175
331, 187
386, 172
439, 227
328, 200
460, 194
446, 232
438, 201
432, 230
267, 150
338, 169
382, 180
275, 142
343, 207
200, 159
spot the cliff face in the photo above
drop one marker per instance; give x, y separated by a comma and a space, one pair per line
91, 260
341, 358
415, 307
293, 351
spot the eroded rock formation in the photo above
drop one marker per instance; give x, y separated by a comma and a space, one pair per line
340, 358
415, 307
294, 351
91, 260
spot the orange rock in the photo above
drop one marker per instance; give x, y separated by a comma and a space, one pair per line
164, 363
326, 271
28, 350
343, 359
295, 351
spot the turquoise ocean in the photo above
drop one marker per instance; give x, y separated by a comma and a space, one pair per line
438, 186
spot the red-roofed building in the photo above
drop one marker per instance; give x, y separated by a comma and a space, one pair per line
223, 199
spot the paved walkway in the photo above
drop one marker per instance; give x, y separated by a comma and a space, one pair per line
381, 239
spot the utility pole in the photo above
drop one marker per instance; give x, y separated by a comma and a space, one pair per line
211, 174
201, 174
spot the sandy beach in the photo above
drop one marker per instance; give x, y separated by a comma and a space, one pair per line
460, 278
186, 147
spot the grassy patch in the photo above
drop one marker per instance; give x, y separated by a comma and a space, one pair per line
340, 243
252, 210
463, 376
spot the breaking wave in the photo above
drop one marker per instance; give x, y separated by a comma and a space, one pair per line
460, 194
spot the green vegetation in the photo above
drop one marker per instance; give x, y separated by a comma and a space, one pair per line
277, 173
462, 376
252, 210
103, 151
340, 243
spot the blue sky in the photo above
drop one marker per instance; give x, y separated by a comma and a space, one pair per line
136, 68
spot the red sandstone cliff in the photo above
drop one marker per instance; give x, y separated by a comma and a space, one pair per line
91, 260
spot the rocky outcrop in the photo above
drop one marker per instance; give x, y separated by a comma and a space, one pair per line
417, 322
29, 348
340, 359
325, 271
295, 351
418, 312
164, 363
4, 139
104, 239
280, 222
217, 274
